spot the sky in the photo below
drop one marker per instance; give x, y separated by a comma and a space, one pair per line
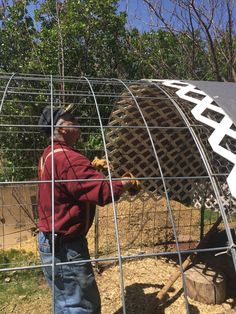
139, 16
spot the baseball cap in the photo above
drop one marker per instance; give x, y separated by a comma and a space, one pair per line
58, 112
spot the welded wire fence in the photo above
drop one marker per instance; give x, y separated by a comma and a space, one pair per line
143, 127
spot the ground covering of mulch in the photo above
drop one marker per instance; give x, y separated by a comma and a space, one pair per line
142, 280
143, 224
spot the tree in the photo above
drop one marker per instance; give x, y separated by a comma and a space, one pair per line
162, 54
16, 35
83, 37
212, 21
59, 38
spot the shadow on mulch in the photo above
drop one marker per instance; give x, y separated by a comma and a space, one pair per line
137, 301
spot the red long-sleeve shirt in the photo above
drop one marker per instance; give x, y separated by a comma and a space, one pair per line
74, 201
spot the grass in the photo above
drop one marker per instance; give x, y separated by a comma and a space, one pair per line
210, 216
19, 284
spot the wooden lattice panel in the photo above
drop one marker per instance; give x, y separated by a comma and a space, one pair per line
130, 148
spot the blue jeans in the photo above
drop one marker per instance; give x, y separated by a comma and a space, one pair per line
76, 291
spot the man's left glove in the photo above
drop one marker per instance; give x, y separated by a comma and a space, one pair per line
100, 164
135, 184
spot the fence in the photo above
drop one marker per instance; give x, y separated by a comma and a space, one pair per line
177, 140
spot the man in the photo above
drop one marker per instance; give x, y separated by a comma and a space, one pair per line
77, 189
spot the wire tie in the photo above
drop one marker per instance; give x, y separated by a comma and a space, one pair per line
232, 246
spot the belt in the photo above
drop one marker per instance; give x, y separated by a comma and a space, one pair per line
48, 235
57, 239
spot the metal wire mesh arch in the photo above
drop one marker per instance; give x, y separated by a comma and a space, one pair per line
213, 183
166, 194
113, 200
129, 118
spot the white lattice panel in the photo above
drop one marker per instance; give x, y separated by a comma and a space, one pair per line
130, 147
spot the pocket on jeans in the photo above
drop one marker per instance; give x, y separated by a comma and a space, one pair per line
43, 244
77, 250
74, 256
45, 248
45, 253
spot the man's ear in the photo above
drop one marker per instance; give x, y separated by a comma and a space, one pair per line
61, 130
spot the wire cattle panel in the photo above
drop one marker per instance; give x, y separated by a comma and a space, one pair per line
177, 140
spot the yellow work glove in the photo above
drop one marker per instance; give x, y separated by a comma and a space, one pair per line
100, 164
135, 184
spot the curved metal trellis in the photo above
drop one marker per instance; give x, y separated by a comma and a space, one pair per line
213, 183
166, 194
148, 127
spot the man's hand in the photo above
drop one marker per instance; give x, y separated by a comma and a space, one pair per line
133, 184
100, 164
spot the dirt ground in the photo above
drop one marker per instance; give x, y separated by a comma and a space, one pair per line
142, 280
142, 226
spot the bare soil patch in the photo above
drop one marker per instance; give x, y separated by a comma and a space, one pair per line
142, 280
144, 226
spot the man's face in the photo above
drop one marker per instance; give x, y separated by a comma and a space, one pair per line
69, 131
